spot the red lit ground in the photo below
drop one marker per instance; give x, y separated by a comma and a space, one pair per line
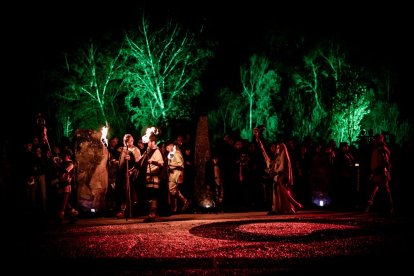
228, 243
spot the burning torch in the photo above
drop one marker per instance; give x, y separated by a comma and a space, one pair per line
171, 154
148, 132
104, 132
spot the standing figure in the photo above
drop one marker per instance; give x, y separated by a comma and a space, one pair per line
283, 201
380, 172
187, 188
218, 183
65, 186
281, 170
39, 124
152, 162
40, 169
345, 185
129, 156
114, 150
175, 177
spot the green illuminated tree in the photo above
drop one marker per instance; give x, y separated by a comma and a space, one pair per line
385, 114
336, 94
259, 83
308, 82
92, 85
296, 103
385, 118
349, 110
352, 98
163, 74
335, 59
228, 112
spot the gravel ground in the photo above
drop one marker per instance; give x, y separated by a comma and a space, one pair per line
215, 244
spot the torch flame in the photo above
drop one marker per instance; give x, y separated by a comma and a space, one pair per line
171, 154
104, 132
148, 132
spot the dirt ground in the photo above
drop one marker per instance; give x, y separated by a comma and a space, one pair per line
252, 243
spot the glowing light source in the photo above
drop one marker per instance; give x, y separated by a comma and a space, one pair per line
207, 203
104, 132
148, 132
321, 199
171, 154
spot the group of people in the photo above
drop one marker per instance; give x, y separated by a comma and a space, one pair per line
281, 172
152, 166
48, 175
147, 176
137, 176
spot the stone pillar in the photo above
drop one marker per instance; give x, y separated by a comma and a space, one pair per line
202, 154
92, 175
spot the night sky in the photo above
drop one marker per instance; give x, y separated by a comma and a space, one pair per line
36, 35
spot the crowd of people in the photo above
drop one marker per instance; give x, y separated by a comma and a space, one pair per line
279, 177
48, 176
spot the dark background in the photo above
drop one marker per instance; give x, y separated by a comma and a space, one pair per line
35, 35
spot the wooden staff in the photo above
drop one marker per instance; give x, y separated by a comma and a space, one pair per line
128, 213
47, 140
266, 157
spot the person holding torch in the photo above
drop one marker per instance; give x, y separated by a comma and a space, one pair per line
153, 164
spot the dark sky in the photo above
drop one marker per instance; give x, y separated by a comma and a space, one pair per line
38, 33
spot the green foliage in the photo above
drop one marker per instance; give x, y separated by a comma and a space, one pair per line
259, 84
349, 106
339, 99
385, 118
163, 74
299, 104
220, 117
239, 108
347, 116
157, 77
265, 112
91, 88
307, 86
